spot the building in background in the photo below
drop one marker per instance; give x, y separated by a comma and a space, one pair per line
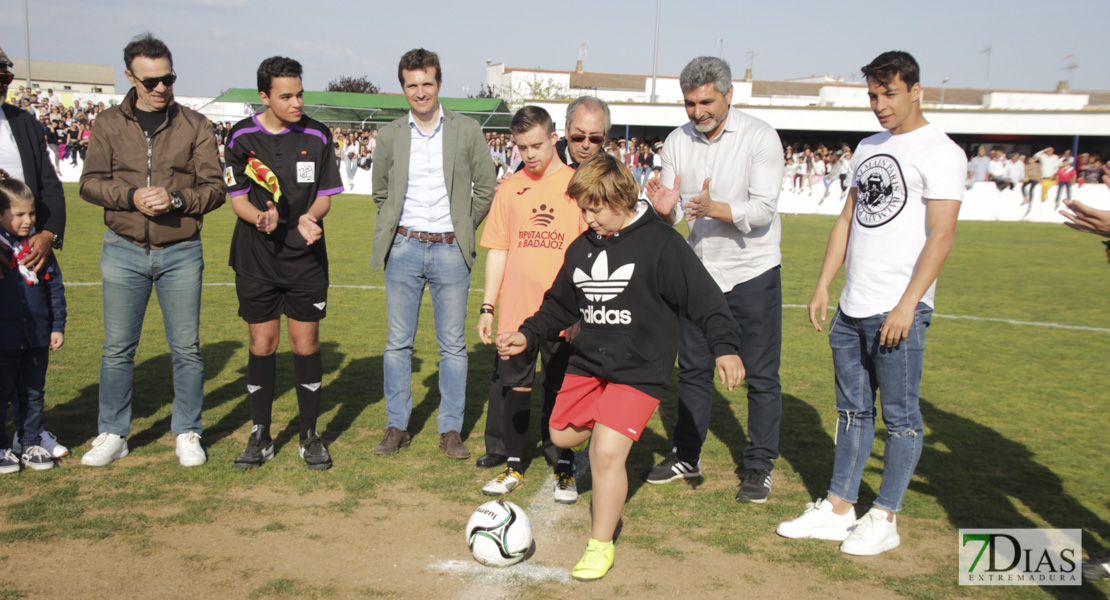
64, 77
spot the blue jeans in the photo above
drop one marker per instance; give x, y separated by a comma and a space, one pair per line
863, 367
1060, 187
351, 163
410, 266
22, 384
129, 272
638, 175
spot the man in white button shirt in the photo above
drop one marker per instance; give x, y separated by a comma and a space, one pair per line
723, 172
433, 184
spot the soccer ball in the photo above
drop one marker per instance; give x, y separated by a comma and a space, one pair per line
499, 534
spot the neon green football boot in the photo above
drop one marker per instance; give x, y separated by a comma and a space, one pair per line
596, 562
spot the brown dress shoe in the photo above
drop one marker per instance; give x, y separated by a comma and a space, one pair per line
395, 439
452, 445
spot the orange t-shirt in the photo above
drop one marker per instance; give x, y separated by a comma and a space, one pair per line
535, 221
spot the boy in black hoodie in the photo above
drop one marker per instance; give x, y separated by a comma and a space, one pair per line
627, 279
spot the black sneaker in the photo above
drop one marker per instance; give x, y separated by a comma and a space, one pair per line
314, 453
755, 486
672, 468
1097, 566
257, 452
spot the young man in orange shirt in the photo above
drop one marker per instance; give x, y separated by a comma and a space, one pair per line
530, 225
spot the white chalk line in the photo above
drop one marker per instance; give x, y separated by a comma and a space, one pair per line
997, 320
487, 583
943, 316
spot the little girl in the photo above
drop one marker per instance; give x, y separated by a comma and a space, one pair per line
33, 320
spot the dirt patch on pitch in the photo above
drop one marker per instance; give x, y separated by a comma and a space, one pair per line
404, 543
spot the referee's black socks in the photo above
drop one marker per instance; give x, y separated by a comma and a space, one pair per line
261, 376
308, 373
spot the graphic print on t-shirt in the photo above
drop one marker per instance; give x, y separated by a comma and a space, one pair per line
881, 190
543, 216
602, 286
536, 235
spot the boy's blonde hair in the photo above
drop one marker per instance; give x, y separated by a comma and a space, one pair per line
602, 179
12, 191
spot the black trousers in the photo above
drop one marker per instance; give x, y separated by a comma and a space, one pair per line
756, 305
554, 355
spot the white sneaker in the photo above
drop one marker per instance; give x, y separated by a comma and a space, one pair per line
566, 492
52, 446
49, 442
872, 535
505, 482
9, 462
819, 522
189, 452
105, 448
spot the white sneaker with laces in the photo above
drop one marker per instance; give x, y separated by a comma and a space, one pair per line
872, 535
9, 462
49, 442
819, 522
189, 452
105, 448
506, 481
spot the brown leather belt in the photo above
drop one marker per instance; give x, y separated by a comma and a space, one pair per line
424, 236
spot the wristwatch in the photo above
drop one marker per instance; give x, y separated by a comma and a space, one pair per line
177, 202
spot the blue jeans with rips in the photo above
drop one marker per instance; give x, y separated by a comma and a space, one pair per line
864, 367
410, 266
130, 272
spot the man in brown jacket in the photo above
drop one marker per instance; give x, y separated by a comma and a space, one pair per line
153, 165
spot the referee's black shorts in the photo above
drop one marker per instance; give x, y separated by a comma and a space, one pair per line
262, 302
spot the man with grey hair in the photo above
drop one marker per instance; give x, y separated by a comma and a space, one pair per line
722, 171
587, 127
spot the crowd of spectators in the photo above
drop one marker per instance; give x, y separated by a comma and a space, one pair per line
806, 166
1044, 168
67, 127
642, 157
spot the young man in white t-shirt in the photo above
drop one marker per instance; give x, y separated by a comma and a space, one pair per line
893, 236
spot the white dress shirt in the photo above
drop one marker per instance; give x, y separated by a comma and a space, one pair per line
427, 206
745, 165
10, 159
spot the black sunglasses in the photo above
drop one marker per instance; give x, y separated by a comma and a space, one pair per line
6, 78
578, 138
152, 82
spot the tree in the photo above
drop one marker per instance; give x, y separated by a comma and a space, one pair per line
485, 90
534, 87
361, 85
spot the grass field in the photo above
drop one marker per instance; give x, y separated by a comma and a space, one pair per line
1015, 418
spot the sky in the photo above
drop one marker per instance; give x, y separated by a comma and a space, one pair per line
218, 44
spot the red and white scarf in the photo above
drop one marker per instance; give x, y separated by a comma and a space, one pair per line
19, 248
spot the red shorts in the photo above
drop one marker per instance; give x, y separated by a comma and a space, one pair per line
583, 401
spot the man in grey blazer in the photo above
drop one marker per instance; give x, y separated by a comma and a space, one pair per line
433, 183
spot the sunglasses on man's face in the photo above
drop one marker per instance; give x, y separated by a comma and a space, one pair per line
152, 82
6, 78
578, 138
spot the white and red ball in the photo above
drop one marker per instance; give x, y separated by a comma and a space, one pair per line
499, 534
